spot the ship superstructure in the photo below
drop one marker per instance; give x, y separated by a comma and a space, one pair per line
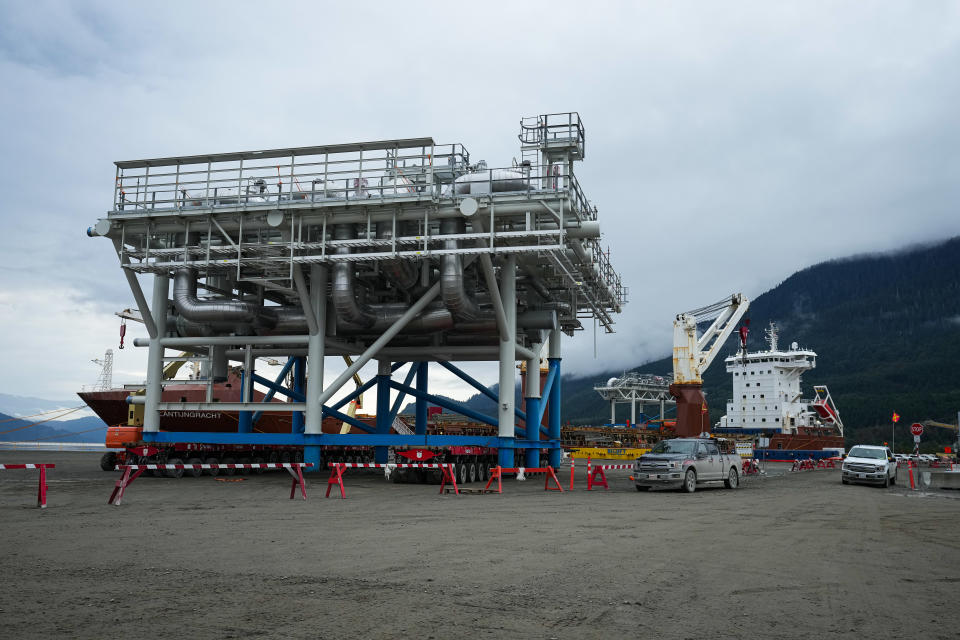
768, 402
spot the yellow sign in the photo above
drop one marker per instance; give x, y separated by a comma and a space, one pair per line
602, 453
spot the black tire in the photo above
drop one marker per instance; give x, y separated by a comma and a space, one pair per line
472, 472
641, 487
893, 480
258, 460
434, 476
108, 461
844, 481
229, 472
174, 473
733, 479
483, 472
194, 473
886, 481
689, 481
211, 472
244, 472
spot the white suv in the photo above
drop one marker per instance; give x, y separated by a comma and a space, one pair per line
872, 464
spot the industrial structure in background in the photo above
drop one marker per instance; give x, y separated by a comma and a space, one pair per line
406, 252
637, 388
693, 353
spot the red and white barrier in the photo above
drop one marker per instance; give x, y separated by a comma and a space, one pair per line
337, 469
596, 475
132, 471
496, 473
42, 486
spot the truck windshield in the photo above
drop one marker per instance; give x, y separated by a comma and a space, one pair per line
860, 452
687, 447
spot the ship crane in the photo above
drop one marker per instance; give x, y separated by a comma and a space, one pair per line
692, 354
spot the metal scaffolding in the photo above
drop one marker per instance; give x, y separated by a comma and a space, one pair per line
636, 388
400, 251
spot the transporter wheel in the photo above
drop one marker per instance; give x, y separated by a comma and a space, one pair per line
244, 472
211, 472
258, 460
229, 472
461, 470
194, 473
689, 481
174, 473
642, 488
108, 461
472, 472
733, 479
285, 457
433, 476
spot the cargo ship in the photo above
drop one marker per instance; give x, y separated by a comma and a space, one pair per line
768, 407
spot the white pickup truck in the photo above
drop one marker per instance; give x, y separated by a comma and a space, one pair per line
685, 463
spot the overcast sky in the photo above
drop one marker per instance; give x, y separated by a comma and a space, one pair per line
728, 144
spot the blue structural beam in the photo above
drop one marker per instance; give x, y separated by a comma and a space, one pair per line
398, 403
337, 439
446, 404
299, 386
383, 415
556, 455
473, 382
420, 427
366, 386
274, 386
333, 413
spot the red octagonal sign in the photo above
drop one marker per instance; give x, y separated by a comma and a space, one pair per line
916, 429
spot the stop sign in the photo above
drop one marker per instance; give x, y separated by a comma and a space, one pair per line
916, 429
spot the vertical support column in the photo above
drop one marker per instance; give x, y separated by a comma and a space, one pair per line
613, 412
508, 359
313, 417
246, 395
556, 453
423, 386
158, 309
531, 405
663, 407
633, 408
299, 376
383, 408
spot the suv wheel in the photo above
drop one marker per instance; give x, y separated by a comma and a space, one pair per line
733, 479
689, 481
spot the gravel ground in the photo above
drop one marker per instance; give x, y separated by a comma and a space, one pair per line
793, 555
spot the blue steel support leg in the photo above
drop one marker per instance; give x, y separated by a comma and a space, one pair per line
422, 385
246, 417
299, 378
383, 408
532, 407
556, 454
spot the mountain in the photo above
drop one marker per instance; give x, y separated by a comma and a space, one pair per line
89, 429
886, 328
27, 406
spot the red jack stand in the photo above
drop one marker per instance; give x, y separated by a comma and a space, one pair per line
448, 476
336, 478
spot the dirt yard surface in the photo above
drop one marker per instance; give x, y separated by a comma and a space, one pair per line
795, 555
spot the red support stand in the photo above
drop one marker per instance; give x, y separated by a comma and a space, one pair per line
42, 489
495, 474
448, 475
336, 478
125, 481
592, 478
297, 480
571, 473
551, 475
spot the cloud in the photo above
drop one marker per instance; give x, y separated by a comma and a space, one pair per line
727, 145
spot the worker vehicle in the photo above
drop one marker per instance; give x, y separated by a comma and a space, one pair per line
686, 463
870, 464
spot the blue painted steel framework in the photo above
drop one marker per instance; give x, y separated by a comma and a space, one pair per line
379, 436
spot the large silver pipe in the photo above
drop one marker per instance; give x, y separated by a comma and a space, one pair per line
348, 307
452, 290
217, 313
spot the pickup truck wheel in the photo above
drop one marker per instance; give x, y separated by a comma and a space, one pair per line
893, 480
733, 479
689, 481
886, 481
642, 488
844, 481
